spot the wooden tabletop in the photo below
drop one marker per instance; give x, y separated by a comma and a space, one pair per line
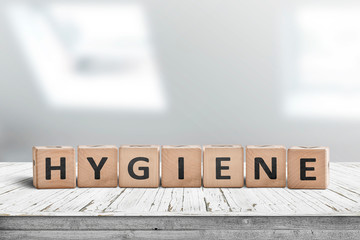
18, 197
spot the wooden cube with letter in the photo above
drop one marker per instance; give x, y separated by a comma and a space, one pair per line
223, 166
54, 167
139, 166
97, 166
308, 167
181, 166
265, 166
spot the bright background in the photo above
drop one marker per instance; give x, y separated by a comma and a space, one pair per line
179, 72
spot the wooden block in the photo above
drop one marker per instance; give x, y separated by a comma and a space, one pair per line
265, 166
308, 167
54, 167
139, 166
97, 166
223, 166
181, 166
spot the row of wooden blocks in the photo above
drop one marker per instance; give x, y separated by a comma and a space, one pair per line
139, 166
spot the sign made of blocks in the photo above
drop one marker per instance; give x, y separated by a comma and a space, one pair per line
139, 166
266, 166
308, 167
181, 166
54, 167
223, 166
97, 166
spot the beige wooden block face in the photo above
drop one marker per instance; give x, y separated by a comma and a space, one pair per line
308, 167
97, 166
139, 166
223, 166
266, 166
54, 167
181, 166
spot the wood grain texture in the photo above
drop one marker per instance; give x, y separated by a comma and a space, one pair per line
185, 234
104, 156
56, 156
317, 164
19, 198
266, 153
150, 153
191, 157
169, 223
229, 157
188, 227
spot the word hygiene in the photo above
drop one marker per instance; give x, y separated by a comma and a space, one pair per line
181, 166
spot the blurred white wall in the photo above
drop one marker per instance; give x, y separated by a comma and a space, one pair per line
227, 71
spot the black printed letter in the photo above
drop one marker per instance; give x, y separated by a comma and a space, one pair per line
219, 167
97, 168
181, 167
61, 168
303, 168
260, 161
145, 169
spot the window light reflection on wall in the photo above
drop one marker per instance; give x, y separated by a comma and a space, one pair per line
90, 55
326, 58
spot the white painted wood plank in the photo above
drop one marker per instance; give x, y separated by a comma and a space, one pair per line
214, 200
171, 201
19, 197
